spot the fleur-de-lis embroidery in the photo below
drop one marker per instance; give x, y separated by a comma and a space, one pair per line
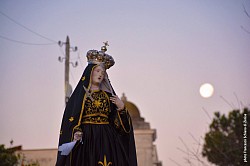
104, 163
71, 118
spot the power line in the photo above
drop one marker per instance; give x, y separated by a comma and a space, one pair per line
28, 29
60, 48
26, 43
80, 59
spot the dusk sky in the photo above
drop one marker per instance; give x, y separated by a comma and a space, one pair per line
164, 51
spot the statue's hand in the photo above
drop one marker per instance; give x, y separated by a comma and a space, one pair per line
118, 102
77, 136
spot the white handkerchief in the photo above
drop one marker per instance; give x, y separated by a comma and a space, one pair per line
66, 148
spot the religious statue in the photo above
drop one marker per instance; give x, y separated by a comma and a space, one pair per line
96, 128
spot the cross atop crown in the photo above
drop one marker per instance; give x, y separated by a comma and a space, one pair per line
104, 48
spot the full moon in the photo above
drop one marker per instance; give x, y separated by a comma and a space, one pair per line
206, 90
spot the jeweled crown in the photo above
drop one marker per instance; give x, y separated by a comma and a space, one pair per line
100, 57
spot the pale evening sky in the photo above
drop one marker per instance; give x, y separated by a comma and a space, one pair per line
164, 50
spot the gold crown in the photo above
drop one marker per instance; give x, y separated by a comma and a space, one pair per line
100, 57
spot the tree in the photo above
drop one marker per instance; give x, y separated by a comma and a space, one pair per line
7, 156
224, 143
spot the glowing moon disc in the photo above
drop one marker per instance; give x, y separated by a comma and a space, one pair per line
206, 90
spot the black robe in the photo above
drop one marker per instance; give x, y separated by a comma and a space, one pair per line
108, 138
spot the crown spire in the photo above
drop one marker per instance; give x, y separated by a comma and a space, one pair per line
104, 48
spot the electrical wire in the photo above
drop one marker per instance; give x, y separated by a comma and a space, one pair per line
26, 43
61, 50
80, 59
28, 29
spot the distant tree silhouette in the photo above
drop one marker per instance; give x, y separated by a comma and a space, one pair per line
8, 157
224, 143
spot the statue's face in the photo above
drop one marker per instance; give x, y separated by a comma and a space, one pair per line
97, 75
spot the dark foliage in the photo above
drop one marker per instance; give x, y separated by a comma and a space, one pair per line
224, 143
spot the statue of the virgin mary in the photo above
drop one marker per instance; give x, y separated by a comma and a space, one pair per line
96, 128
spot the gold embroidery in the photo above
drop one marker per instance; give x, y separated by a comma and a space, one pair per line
83, 78
97, 114
61, 132
104, 163
97, 103
71, 118
116, 123
94, 122
122, 122
96, 111
78, 129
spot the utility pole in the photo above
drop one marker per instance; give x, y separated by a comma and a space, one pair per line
67, 86
66, 73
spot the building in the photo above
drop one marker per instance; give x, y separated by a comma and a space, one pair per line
144, 137
144, 140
